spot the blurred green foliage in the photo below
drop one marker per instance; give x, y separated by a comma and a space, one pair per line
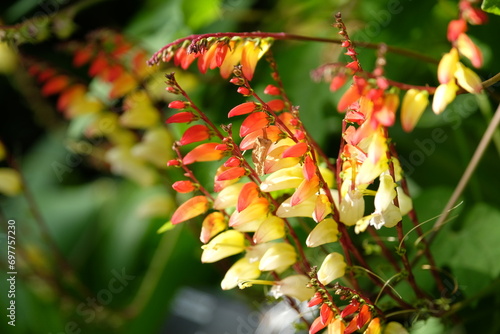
92, 217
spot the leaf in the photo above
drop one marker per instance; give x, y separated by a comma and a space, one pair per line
491, 6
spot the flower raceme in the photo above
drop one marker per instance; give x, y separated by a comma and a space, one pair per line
212, 52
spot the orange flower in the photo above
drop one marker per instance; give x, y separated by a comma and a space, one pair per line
213, 224
470, 50
252, 52
253, 122
203, 152
249, 194
231, 174
183, 186
191, 208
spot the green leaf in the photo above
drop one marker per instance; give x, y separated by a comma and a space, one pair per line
475, 262
166, 227
491, 6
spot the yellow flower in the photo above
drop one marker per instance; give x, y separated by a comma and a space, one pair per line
241, 270
228, 197
278, 257
394, 328
286, 178
333, 267
444, 94
294, 286
325, 232
414, 104
468, 79
447, 66
224, 245
271, 228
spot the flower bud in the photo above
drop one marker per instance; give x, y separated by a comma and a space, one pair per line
414, 104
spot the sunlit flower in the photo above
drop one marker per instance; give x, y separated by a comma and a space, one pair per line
241, 270
414, 103
252, 52
271, 228
213, 224
278, 257
333, 267
228, 197
324, 232
193, 207
203, 152
470, 50
294, 286
227, 243
445, 93
468, 79
286, 178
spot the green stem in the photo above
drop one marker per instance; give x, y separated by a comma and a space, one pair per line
478, 154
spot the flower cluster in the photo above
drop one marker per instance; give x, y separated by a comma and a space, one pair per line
125, 114
258, 198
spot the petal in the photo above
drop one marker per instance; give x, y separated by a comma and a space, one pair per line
279, 256
305, 190
242, 109
248, 195
191, 208
333, 267
414, 104
194, 134
322, 208
228, 197
241, 270
295, 151
324, 232
444, 94
270, 229
385, 193
223, 245
470, 50
203, 152
294, 286
254, 122
468, 79
286, 178
213, 224
231, 174
447, 66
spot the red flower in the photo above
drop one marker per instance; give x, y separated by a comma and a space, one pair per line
191, 208
295, 151
194, 134
272, 90
242, 109
181, 117
254, 122
231, 174
183, 186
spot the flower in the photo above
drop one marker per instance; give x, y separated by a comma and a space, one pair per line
445, 93
324, 232
227, 243
193, 207
414, 103
294, 286
333, 267
194, 134
278, 257
271, 228
241, 270
213, 224
203, 152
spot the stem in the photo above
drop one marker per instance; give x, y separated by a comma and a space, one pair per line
413, 217
400, 232
157, 56
478, 154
